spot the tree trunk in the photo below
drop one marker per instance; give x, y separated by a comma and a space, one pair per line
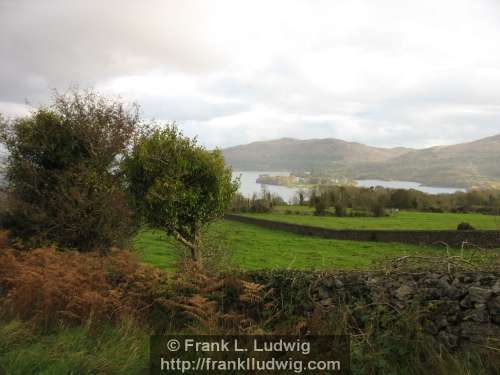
193, 244
196, 250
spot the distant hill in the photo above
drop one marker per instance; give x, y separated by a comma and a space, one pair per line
463, 165
472, 164
304, 155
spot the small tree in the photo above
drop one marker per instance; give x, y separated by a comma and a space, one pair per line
340, 210
378, 209
301, 195
63, 182
321, 204
177, 185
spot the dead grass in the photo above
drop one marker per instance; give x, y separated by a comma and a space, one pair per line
3, 239
210, 303
53, 287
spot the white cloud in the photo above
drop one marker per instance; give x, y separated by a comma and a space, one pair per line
12, 110
385, 73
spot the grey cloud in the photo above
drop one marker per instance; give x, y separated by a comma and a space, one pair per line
412, 72
54, 44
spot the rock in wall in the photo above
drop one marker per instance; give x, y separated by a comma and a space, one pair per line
457, 308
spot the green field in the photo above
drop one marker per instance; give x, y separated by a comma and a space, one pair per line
249, 247
398, 220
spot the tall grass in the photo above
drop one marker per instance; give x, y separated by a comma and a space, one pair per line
113, 349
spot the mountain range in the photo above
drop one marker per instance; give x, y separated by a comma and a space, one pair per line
469, 165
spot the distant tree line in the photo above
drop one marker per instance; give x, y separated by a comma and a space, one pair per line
377, 200
347, 200
263, 202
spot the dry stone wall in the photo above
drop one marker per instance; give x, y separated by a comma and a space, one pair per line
458, 309
454, 238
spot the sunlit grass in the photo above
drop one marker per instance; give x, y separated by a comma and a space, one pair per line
251, 247
397, 220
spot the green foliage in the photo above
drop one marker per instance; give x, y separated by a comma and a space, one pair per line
177, 185
62, 172
265, 202
361, 199
320, 202
340, 210
378, 209
465, 226
402, 199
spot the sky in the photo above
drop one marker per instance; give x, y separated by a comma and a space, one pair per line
385, 73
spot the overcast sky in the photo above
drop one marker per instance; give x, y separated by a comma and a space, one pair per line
385, 73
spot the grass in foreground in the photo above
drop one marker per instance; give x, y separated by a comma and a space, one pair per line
250, 247
398, 220
121, 347
78, 350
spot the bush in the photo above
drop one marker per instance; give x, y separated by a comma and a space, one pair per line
465, 226
177, 185
63, 181
265, 202
51, 287
378, 209
340, 210
261, 206
320, 204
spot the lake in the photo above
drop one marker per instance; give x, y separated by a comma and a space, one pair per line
409, 185
249, 186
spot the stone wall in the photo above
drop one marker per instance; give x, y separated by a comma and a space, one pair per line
454, 238
458, 309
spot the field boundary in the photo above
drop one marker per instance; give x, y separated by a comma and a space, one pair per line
453, 238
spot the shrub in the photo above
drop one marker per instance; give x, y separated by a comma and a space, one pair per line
265, 202
261, 206
320, 204
378, 209
340, 210
63, 180
177, 185
212, 303
465, 226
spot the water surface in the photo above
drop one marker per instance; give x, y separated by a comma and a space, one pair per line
408, 185
248, 185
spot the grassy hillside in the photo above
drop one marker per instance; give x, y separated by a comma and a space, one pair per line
304, 155
472, 164
399, 220
463, 165
250, 247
